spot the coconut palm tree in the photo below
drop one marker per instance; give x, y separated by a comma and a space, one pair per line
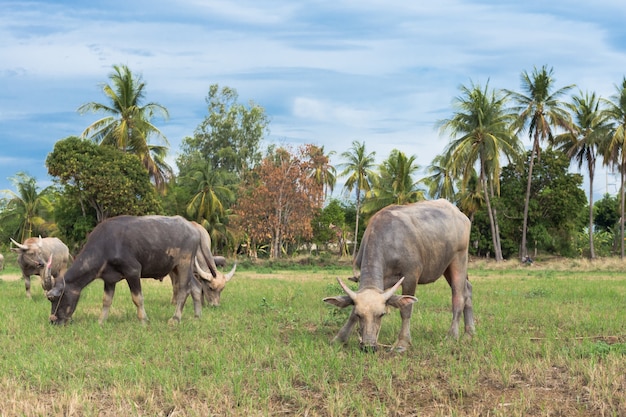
394, 183
207, 206
539, 110
615, 152
440, 182
481, 133
127, 125
358, 169
322, 172
589, 134
26, 206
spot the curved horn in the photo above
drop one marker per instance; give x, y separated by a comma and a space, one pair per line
203, 274
40, 242
19, 245
387, 294
231, 273
347, 290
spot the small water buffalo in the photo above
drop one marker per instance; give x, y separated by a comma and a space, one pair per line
408, 245
32, 256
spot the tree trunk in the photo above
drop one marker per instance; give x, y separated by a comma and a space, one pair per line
527, 200
592, 252
494, 229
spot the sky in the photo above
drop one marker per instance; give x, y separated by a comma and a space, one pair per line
326, 72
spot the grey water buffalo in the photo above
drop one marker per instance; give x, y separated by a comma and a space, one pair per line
130, 248
405, 246
32, 255
206, 286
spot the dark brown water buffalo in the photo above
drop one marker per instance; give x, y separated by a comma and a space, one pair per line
130, 248
206, 286
33, 254
408, 245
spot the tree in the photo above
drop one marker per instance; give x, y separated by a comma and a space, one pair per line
539, 111
557, 208
128, 125
357, 167
440, 182
27, 207
277, 201
322, 173
109, 181
229, 136
394, 183
329, 226
615, 152
589, 133
481, 133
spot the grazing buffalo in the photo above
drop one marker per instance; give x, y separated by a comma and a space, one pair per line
33, 254
205, 286
408, 245
130, 248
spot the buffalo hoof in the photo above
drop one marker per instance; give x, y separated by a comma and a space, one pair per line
174, 321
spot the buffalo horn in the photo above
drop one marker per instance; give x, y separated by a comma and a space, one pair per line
231, 273
207, 276
387, 295
19, 245
348, 291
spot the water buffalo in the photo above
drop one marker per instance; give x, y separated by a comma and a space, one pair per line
32, 255
206, 286
130, 248
1, 262
408, 245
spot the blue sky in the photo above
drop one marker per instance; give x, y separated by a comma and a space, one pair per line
326, 72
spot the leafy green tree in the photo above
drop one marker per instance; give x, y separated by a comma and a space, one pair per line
589, 135
107, 180
229, 137
539, 110
128, 126
329, 227
394, 183
615, 152
358, 167
557, 205
481, 134
29, 208
607, 215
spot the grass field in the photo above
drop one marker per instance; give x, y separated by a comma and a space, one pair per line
551, 341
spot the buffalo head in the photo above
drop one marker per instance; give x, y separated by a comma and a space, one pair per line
212, 286
370, 305
30, 253
63, 300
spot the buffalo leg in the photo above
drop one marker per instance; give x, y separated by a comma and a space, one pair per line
468, 311
107, 300
344, 332
404, 337
457, 284
184, 275
27, 285
137, 296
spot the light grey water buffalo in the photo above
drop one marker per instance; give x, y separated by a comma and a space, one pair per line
130, 248
408, 245
206, 286
33, 254
1, 262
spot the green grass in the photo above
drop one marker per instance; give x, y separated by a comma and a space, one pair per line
548, 343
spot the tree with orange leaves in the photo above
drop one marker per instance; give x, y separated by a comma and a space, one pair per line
278, 199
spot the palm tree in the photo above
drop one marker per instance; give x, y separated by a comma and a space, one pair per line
322, 173
539, 110
481, 133
26, 206
441, 181
358, 167
207, 205
394, 184
615, 152
591, 128
127, 125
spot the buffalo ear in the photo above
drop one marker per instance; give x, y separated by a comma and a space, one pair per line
340, 301
399, 301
